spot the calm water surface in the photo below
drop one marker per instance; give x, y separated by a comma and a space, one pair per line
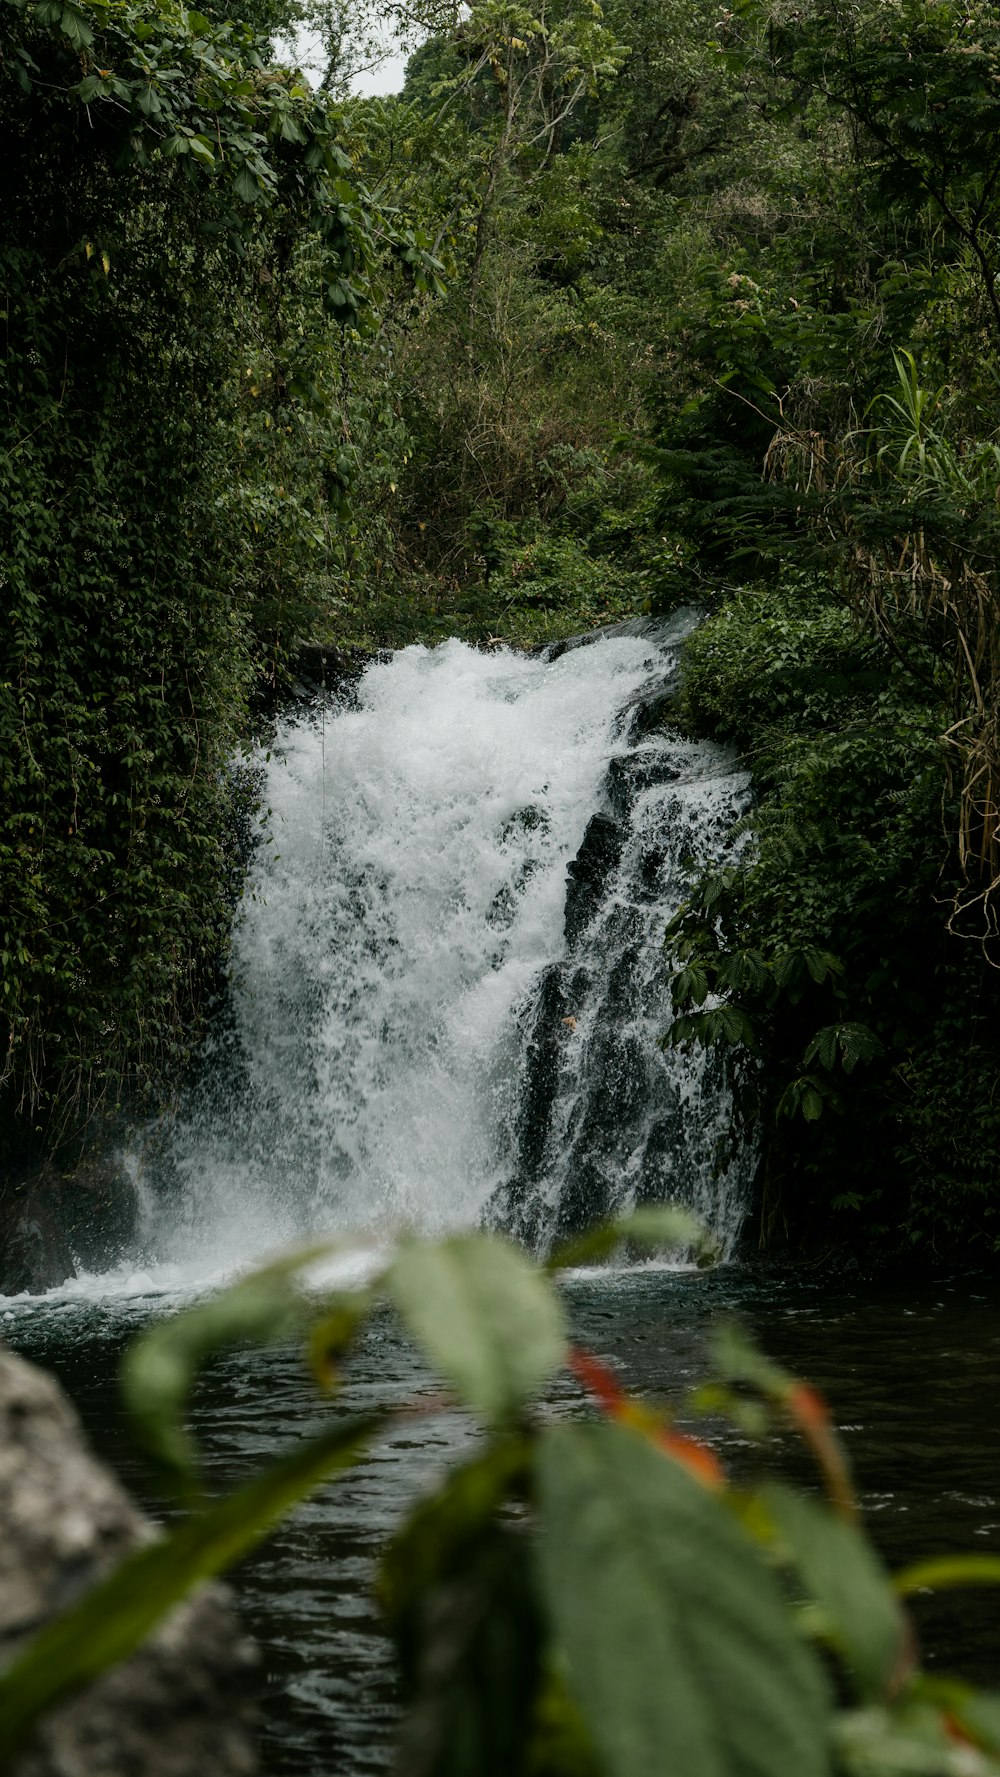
913, 1374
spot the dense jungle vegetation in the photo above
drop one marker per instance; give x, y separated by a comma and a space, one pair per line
605, 311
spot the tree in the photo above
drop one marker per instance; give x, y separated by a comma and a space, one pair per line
162, 185
920, 83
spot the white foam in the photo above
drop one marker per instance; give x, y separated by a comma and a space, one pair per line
402, 910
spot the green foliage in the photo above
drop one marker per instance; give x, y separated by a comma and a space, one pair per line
500, 490
856, 1611
578, 1598
635, 1554
921, 81
483, 1316
669, 299
161, 1365
182, 237
655, 1225
820, 963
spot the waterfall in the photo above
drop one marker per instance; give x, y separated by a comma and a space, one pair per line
447, 977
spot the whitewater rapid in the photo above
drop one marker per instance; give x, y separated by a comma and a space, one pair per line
447, 978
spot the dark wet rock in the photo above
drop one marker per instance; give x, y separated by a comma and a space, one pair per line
584, 1202
516, 1206
55, 1221
529, 819
325, 666
541, 1075
589, 872
651, 712
629, 776
181, 1704
660, 631
100, 1211
35, 1253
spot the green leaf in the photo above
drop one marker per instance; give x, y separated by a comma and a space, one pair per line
723, 1024
291, 130
113, 1618
457, 1590
851, 1042
823, 1047
820, 963
434, 1540
792, 965
737, 1359
844, 1577
656, 1225
740, 970
471, 1665
75, 27
486, 1319
332, 1333
246, 186
807, 1095
947, 1571
735, 1026
561, 1745
681, 1653
690, 986
812, 1104
160, 1366
148, 101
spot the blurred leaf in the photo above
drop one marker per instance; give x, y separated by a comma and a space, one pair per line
911, 1740
681, 1652
485, 1317
474, 1665
561, 1745
946, 1571
978, 1712
160, 1366
332, 1334
441, 1527
113, 1618
656, 1225
738, 1359
845, 1578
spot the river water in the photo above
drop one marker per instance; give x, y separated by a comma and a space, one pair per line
913, 1374
448, 985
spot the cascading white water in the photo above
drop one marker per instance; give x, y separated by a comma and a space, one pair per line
422, 1029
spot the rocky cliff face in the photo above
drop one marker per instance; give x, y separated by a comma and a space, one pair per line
182, 1704
53, 1222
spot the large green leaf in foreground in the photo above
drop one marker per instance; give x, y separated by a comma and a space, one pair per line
486, 1318
681, 1652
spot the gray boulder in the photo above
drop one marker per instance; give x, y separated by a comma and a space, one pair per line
182, 1705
